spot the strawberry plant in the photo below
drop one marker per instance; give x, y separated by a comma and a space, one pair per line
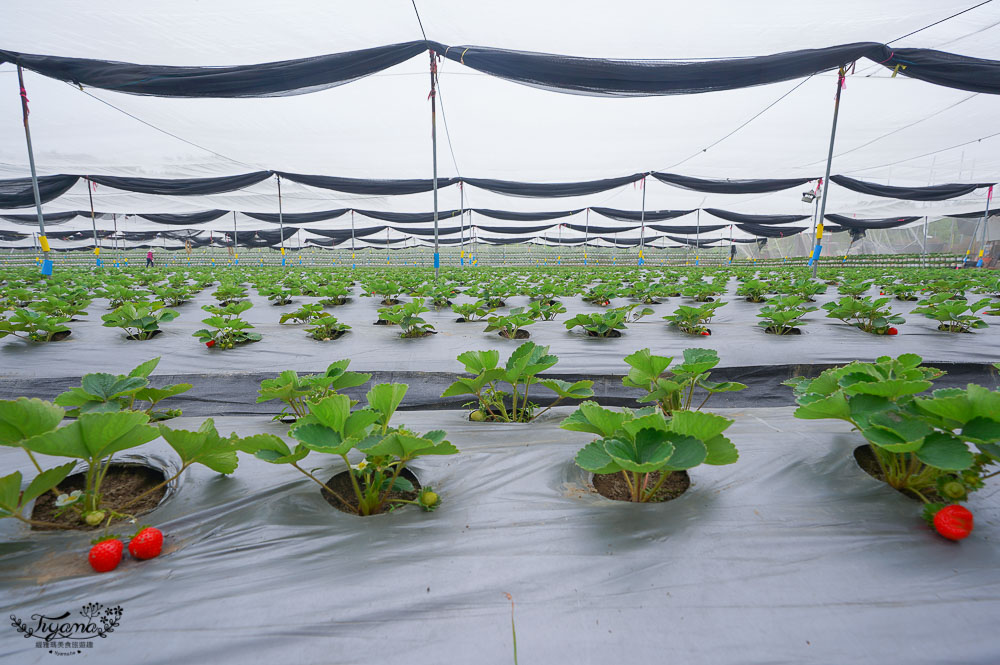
754, 290
871, 315
693, 320
546, 310
511, 326
119, 294
297, 391
954, 315
332, 295
407, 317
100, 392
230, 329
332, 428
34, 326
139, 321
325, 328
303, 314
673, 388
607, 324
520, 372
472, 311
13, 501
783, 315
229, 293
639, 444
920, 443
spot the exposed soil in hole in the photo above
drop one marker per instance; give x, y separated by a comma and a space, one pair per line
909, 299
600, 303
330, 302
341, 484
390, 301
785, 330
865, 458
610, 333
277, 303
756, 300
613, 486
944, 327
520, 334
446, 303
425, 333
382, 322
136, 338
462, 319
61, 335
123, 483
496, 303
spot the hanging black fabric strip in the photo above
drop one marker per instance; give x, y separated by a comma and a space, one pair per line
729, 186
408, 217
884, 223
500, 241
636, 215
297, 217
518, 229
973, 215
744, 241
524, 216
931, 193
765, 231
947, 69
341, 234
48, 218
17, 192
267, 79
686, 230
551, 189
740, 218
636, 78
426, 231
181, 186
8, 236
694, 242
596, 230
371, 187
189, 218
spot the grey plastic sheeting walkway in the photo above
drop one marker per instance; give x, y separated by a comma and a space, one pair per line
791, 555
226, 381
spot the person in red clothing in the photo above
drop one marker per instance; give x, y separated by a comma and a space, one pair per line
149, 258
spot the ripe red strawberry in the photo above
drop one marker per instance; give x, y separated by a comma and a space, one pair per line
705, 332
892, 331
953, 522
106, 555
146, 544
210, 343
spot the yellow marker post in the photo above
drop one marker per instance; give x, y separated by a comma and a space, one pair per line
44, 243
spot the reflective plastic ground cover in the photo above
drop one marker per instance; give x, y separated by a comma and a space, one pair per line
791, 555
225, 382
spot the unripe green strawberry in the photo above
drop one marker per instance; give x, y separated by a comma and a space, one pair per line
94, 517
428, 499
954, 490
477, 416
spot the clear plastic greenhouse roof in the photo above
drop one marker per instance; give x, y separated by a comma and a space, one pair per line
893, 129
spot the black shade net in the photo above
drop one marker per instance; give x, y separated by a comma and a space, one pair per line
741, 218
929, 193
297, 217
181, 186
18, 193
187, 218
511, 216
638, 215
729, 186
368, 186
551, 189
764, 231
884, 223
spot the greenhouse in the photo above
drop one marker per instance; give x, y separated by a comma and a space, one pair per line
525, 332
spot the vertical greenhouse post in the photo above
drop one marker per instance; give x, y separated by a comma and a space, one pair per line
986, 221
434, 159
924, 250
42, 240
461, 224
281, 222
642, 221
353, 265
826, 180
93, 222
586, 236
236, 247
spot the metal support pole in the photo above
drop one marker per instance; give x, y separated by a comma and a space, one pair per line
434, 153
352, 241
236, 247
114, 238
924, 250
642, 222
93, 223
697, 233
815, 213
986, 219
826, 179
281, 222
586, 236
42, 240
461, 225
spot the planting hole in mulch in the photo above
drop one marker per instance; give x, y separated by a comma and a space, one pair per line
944, 327
60, 336
787, 330
336, 335
382, 322
865, 458
424, 333
461, 319
390, 301
341, 484
123, 483
520, 334
613, 486
610, 333
136, 338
